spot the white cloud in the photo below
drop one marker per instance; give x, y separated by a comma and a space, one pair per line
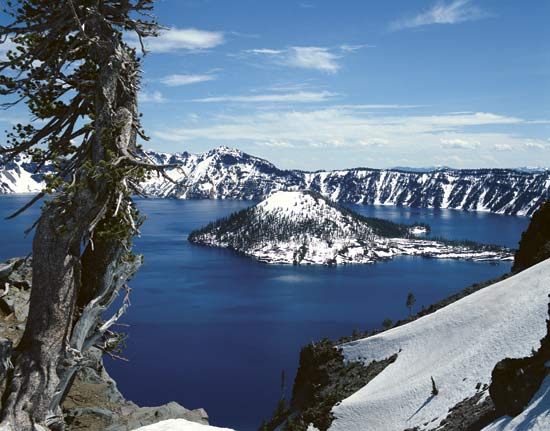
374, 106
352, 48
151, 97
503, 147
442, 12
459, 144
298, 97
318, 58
375, 142
338, 127
185, 79
535, 145
266, 51
275, 144
189, 39
312, 57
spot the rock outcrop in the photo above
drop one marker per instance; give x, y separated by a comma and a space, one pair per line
534, 246
93, 403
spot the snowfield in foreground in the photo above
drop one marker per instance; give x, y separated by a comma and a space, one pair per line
180, 425
458, 345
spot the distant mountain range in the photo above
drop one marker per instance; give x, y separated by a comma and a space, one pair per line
225, 173
306, 228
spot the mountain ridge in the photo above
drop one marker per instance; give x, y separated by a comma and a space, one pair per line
225, 173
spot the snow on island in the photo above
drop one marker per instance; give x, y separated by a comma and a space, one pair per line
180, 425
457, 346
302, 227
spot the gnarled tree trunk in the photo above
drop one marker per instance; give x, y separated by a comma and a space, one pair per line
72, 287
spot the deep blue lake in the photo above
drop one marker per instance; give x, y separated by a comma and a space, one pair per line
213, 329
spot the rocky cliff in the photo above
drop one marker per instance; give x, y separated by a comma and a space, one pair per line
225, 173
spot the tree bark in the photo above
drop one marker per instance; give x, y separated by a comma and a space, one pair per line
55, 336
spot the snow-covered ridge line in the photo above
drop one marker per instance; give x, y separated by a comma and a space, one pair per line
225, 173
306, 228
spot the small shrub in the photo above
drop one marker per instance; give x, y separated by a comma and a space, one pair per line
435, 391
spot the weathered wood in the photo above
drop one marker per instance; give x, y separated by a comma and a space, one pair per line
72, 288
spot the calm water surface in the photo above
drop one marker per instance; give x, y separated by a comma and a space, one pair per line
213, 329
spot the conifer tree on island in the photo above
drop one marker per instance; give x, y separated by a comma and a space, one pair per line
79, 79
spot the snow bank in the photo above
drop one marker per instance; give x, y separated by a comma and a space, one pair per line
180, 425
458, 345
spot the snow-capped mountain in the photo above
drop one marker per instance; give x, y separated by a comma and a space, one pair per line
225, 173
19, 176
458, 346
306, 228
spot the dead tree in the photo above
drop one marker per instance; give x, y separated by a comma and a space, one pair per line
79, 77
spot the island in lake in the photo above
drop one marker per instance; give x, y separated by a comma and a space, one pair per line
303, 227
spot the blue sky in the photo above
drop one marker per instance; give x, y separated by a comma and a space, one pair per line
324, 84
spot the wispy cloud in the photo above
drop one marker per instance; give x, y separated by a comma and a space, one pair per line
503, 147
352, 48
318, 58
339, 127
535, 145
443, 12
177, 80
298, 97
459, 144
178, 40
264, 51
312, 57
151, 97
275, 144
380, 106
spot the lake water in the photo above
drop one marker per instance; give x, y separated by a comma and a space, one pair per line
213, 329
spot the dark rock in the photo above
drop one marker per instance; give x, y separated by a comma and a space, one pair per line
515, 381
534, 246
471, 414
323, 380
513, 384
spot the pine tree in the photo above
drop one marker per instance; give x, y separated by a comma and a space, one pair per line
411, 300
79, 78
387, 323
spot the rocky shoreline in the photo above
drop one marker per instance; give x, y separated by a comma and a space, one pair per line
94, 402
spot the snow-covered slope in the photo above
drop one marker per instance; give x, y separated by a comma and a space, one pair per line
18, 176
225, 173
306, 228
458, 346
180, 425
